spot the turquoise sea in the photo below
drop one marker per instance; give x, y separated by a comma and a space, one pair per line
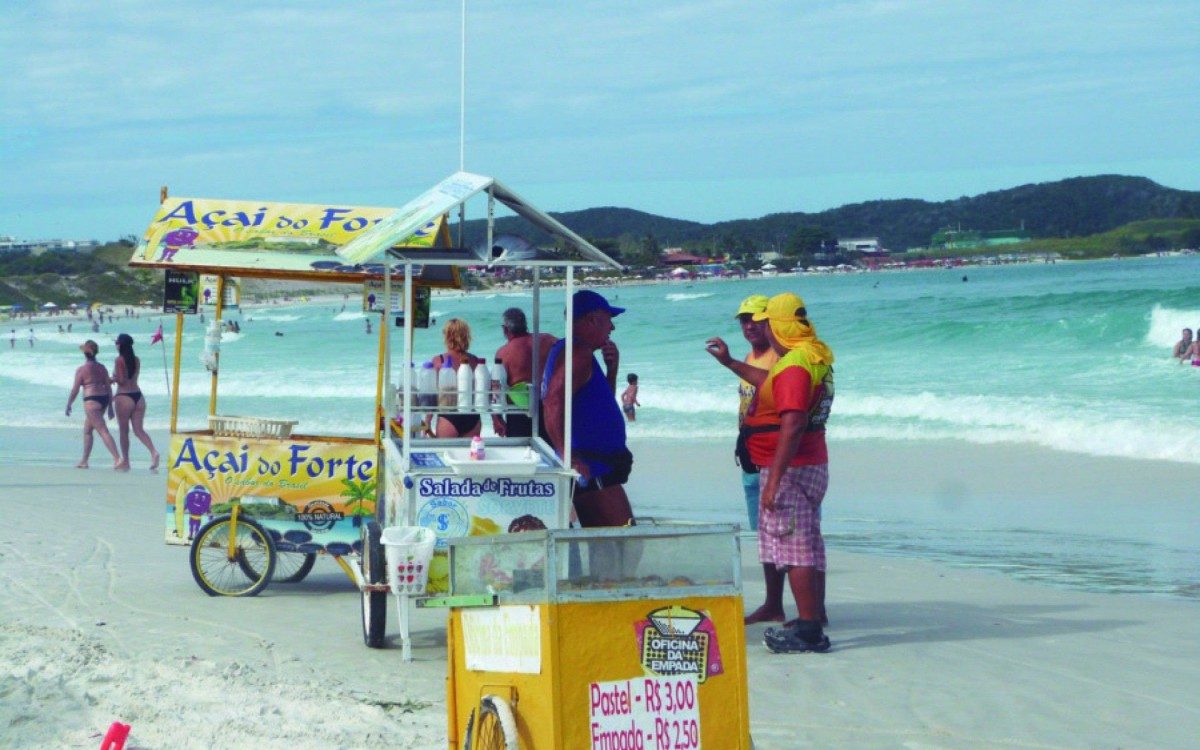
1070, 357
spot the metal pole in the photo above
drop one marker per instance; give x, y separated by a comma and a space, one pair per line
212, 394
175, 376
535, 386
569, 371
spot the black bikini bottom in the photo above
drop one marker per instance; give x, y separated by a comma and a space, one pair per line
463, 423
134, 396
103, 400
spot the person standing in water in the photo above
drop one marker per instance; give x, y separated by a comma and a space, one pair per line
92, 378
129, 403
1183, 345
629, 400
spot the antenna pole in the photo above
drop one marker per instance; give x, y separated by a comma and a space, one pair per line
462, 95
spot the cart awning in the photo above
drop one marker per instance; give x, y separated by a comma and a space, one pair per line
448, 195
277, 240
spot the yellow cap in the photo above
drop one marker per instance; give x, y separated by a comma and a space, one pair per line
781, 307
752, 305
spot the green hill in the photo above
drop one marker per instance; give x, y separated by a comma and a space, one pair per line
66, 276
1075, 207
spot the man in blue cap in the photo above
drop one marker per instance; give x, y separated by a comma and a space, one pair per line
598, 450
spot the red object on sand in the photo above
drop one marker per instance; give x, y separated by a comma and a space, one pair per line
115, 738
157, 337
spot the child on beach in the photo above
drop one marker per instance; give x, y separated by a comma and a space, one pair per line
629, 397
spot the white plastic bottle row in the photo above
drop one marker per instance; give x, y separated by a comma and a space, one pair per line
480, 389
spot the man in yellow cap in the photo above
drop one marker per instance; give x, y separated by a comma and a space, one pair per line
788, 417
762, 357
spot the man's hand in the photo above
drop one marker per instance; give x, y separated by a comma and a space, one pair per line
719, 349
610, 355
499, 426
769, 491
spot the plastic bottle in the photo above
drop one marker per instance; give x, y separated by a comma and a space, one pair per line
426, 386
447, 397
482, 380
499, 386
464, 385
477, 452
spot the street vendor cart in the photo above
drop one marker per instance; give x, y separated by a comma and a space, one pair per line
258, 499
597, 638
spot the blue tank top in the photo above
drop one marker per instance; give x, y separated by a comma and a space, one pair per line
597, 426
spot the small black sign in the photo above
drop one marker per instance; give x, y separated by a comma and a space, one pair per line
181, 292
422, 301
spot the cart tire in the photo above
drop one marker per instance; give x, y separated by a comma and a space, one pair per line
293, 567
493, 727
374, 603
247, 573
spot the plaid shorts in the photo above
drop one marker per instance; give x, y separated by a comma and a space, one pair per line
790, 535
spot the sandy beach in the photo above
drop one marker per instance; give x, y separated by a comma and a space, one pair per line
102, 622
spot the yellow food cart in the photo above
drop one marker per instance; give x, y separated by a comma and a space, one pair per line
597, 638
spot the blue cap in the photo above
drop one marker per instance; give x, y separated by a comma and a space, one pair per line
585, 301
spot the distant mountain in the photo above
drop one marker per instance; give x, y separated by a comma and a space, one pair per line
1067, 208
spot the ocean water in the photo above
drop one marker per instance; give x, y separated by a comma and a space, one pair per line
1070, 356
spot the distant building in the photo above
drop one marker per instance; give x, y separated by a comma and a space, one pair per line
681, 258
37, 247
864, 245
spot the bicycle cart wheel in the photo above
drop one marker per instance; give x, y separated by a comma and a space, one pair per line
244, 573
290, 567
493, 727
374, 603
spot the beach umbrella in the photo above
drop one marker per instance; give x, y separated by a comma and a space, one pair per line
49, 305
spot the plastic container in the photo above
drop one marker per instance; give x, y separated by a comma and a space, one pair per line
477, 452
464, 386
447, 395
483, 380
426, 386
498, 386
408, 550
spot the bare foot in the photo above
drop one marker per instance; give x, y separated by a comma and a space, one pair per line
762, 614
121, 466
154, 461
81, 465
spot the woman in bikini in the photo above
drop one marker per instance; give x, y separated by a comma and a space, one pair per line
129, 403
92, 379
457, 336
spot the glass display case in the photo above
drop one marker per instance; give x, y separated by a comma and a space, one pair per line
598, 564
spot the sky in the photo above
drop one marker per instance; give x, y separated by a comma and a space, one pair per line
705, 110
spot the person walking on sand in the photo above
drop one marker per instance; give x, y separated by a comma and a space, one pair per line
12, 339
787, 442
92, 378
129, 402
629, 398
516, 357
1183, 345
761, 357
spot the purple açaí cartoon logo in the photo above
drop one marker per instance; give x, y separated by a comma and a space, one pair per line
173, 242
196, 503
